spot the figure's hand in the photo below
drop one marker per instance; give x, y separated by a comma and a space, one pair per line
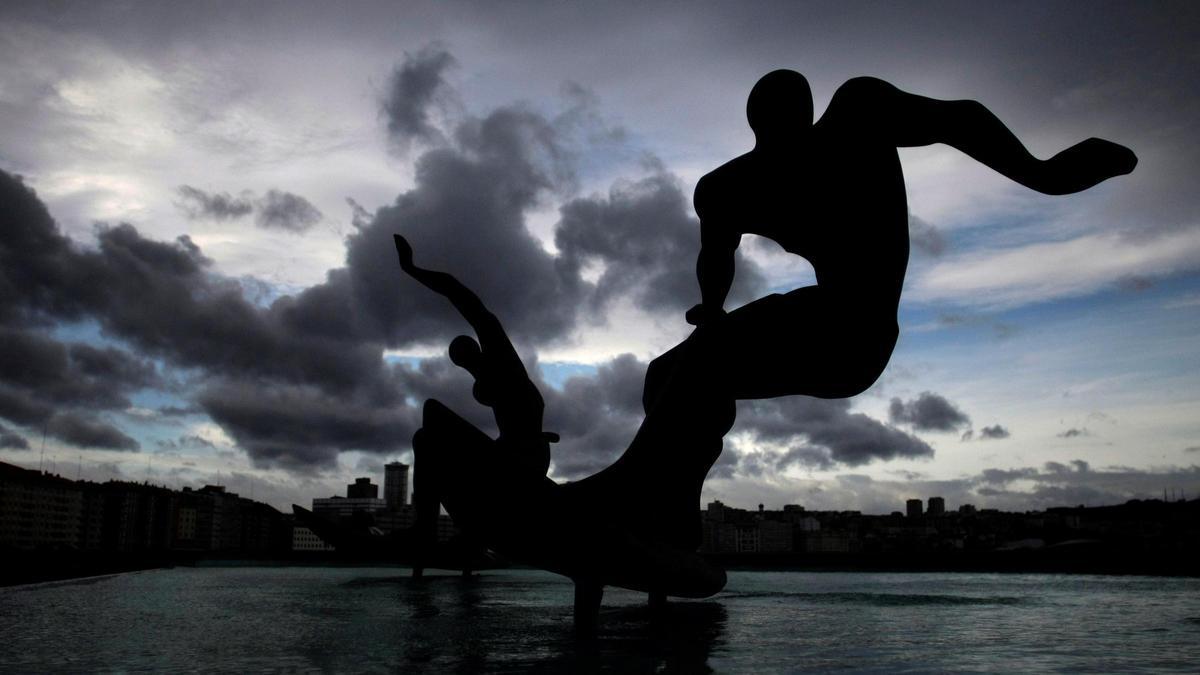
405, 251
702, 314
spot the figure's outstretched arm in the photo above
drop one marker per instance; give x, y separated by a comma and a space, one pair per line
906, 120
487, 327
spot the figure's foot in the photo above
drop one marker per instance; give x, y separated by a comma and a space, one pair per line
404, 249
1085, 164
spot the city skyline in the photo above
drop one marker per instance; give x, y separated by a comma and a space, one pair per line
1048, 352
1168, 495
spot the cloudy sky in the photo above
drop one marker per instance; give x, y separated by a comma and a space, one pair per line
198, 285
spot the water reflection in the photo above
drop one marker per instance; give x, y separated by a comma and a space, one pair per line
376, 620
475, 624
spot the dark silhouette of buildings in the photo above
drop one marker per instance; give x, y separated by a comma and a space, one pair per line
55, 519
362, 488
362, 515
937, 506
913, 508
395, 485
1140, 536
50, 517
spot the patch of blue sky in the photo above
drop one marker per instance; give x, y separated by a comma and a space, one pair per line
155, 399
1039, 220
933, 323
1001, 231
556, 373
88, 332
1136, 337
403, 359
263, 293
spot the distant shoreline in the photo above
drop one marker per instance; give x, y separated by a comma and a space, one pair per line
1098, 559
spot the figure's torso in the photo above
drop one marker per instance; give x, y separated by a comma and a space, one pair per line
836, 201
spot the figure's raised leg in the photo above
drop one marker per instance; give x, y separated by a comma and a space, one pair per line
866, 107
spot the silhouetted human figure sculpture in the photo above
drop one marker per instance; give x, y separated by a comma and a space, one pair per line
501, 383
831, 192
497, 491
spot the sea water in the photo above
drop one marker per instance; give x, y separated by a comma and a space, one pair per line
259, 619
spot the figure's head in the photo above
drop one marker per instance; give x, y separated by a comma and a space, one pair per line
465, 353
780, 105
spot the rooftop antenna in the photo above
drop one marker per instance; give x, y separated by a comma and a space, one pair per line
79, 469
42, 460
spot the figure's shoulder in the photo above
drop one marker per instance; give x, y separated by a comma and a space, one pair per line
856, 97
724, 177
862, 88
723, 183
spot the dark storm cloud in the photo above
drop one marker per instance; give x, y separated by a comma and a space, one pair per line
850, 439
197, 203
77, 426
466, 214
1058, 469
927, 412
185, 442
286, 211
993, 432
1047, 487
311, 364
177, 411
596, 417
161, 299
646, 238
87, 432
1057, 484
807, 457
725, 466
71, 375
301, 427
11, 440
300, 380
45, 383
277, 209
413, 88
1003, 476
